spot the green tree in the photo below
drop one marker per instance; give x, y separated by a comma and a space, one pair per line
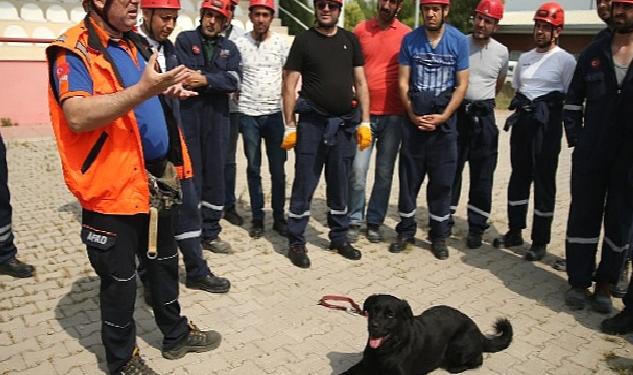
353, 14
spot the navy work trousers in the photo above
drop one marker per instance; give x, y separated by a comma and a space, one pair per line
477, 144
312, 154
534, 149
7, 247
113, 242
433, 153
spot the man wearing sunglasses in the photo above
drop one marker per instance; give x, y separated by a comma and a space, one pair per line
433, 78
380, 39
478, 134
599, 117
330, 62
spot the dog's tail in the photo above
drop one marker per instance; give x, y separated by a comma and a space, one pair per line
501, 339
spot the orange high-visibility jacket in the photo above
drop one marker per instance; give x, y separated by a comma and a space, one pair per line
104, 168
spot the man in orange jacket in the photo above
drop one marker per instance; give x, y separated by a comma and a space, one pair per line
117, 141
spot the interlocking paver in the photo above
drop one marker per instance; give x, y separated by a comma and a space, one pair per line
270, 321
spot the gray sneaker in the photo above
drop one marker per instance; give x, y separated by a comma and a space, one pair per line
601, 300
373, 233
576, 298
353, 232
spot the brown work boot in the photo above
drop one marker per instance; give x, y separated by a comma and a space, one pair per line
197, 341
136, 366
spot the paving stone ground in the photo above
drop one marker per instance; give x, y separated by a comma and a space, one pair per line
270, 321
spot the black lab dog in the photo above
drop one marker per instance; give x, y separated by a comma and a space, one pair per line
402, 344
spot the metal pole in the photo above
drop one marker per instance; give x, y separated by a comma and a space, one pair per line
417, 13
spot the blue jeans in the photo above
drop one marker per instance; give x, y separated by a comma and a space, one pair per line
387, 133
270, 128
230, 163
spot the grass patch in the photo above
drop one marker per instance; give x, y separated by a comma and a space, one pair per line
6, 122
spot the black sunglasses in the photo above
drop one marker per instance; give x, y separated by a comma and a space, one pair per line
331, 5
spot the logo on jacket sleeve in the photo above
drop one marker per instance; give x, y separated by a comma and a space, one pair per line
225, 53
195, 49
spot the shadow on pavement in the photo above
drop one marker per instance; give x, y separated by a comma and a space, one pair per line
72, 207
78, 314
341, 362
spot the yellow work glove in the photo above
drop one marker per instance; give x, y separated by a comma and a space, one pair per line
290, 137
363, 135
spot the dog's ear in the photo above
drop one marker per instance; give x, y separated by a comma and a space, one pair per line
370, 302
404, 310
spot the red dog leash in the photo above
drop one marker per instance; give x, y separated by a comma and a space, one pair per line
354, 308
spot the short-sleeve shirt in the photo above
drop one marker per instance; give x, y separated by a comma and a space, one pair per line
434, 70
539, 73
487, 64
262, 63
326, 64
149, 114
380, 50
236, 34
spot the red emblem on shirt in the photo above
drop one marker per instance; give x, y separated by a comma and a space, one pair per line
62, 71
195, 50
595, 63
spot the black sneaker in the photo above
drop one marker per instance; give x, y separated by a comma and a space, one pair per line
511, 238
257, 229
197, 341
619, 290
536, 252
281, 227
209, 283
233, 217
136, 366
439, 249
16, 268
298, 255
400, 244
373, 233
347, 251
576, 298
474, 241
216, 245
352, 233
619, 324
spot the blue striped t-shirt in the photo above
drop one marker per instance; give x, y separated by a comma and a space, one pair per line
434, 69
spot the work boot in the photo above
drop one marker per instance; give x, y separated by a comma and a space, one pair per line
298, 255
439, 248
619, 290
474, 241
576, 298
619, 324
560, 265
347, 251
257, 228
400, 244
136, 366
511, 238
216, 245
231, 215
373, 233
16, 268
601, 299
209, 283
197, 341
281, 227
352, 233
536, 252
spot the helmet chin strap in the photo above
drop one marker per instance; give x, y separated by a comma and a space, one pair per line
104, 14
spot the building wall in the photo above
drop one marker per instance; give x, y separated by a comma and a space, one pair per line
518, 43
24, 92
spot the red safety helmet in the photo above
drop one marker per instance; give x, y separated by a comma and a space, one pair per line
268, 4
551, 13
160, 4
622, 1
491, 8
221, 6
441, 2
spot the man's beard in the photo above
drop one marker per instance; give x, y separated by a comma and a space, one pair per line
327, 25
435, 28
626, 28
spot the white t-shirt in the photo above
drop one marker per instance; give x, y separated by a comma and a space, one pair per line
236, 34
262, 64
537, 73
487, 64
156, 47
